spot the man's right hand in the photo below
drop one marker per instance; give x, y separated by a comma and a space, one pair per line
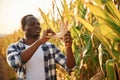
45, 36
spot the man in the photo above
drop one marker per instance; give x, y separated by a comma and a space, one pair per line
33, 57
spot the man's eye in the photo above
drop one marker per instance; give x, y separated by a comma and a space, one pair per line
38, 24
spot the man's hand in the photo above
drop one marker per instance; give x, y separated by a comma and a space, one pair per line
67, 39
44, 38
70, 61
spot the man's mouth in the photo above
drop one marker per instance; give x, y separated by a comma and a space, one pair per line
38, 31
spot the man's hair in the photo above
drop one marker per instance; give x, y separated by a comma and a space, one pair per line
23, 21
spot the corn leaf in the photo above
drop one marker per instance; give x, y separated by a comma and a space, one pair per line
87, 25
100, 57
112, 9
105, 17
99, 2
108, 32
111, 70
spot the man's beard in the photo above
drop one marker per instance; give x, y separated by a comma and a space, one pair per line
35, 36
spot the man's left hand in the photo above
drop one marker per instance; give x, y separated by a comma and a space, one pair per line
67, 39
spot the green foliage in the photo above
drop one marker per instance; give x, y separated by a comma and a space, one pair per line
94, 26
92, 23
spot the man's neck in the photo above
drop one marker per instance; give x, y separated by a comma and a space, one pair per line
29, 41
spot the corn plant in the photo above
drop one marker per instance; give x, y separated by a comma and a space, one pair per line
107, 32
94, 26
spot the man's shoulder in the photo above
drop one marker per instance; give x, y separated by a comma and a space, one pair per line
17, 43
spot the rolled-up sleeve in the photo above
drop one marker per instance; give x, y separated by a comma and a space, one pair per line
13, 56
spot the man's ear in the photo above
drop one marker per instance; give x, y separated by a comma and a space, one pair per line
23, 28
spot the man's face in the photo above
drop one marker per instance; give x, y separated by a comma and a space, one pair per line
32, 28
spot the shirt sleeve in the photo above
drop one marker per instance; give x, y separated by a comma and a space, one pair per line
60, 58
13, 56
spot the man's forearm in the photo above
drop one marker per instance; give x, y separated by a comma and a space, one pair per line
28, 53
70, 62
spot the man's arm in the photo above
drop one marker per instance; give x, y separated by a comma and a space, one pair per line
70, 61
17, 58
28, 53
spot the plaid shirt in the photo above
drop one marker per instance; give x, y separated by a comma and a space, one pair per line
52, 55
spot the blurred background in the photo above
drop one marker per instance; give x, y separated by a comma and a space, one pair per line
94, 26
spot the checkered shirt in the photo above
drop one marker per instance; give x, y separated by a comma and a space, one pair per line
52, 55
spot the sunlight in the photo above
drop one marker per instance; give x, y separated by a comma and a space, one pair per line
13, 10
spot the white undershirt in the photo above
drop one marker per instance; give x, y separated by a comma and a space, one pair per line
35, 66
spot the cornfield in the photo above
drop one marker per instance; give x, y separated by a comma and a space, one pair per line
94, 26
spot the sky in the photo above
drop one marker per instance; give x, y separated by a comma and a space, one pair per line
11, 12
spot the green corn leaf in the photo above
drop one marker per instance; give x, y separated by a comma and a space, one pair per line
112, 9
108, 32
87, 25
96, 9
97, 32
87, 47
111, 70
116, 54
105, 17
